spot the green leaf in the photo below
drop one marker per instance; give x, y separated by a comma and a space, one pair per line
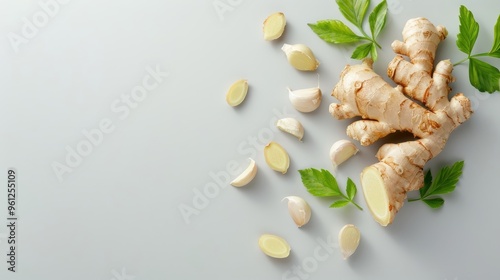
446, 180
319, 183
427, 183
469, 29
484, 76
339, 203
434, 202
334, 31
330, 181
351, 189
362, 51
373, 53
496, 42
495, 54
378, 18
322, 183
354, 10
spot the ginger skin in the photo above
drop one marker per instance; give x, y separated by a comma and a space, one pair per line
385, 109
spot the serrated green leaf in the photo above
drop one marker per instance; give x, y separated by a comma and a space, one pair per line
378, 18
330, 181
362, 51
434, 202
483, 76
319, 183
446, 179
495, 49
334, 31
373, 53
469, 30
351, 189
322, 183
354, 10
339, 203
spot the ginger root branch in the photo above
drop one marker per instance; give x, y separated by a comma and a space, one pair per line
385, 109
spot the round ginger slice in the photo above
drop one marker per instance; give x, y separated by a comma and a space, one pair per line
274, 26
276, 157
274, 246
237, 93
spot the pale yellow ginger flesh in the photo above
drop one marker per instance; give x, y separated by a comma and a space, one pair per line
274, 26
237, 93
375, 191
385, 110
274, 246
276, 157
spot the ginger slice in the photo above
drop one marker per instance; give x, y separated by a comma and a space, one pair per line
274, 26
237, 93
274, 246
276, 157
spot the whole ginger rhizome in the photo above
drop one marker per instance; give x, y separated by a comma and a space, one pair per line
385, 109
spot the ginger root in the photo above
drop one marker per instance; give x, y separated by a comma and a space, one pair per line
385, 109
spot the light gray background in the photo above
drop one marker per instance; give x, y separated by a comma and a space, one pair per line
116, 215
